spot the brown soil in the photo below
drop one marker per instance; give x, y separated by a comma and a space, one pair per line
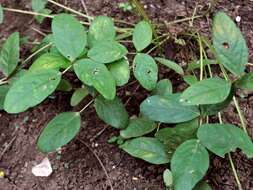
76, 167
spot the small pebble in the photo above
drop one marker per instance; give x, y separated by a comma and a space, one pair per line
238, 19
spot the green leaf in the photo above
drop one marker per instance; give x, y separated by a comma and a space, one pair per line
190, 79
30, 90
17, 75
78, 96
167, 178
101, 29
225, 138
146, 148
69, 34
120, 70
64, 86
168, 109
107, 52
3, 91
9, 55
112, 112
245, 82
59, 131
142, 35
1, 14
38, 5
145, 71
138, 127
207, 91
96, 75
163, 88
189, 164
170, 64
172, 137
40, 18
50, 61
230, 46
202, 186
196, 65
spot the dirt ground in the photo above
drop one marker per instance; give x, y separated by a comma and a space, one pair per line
76, 168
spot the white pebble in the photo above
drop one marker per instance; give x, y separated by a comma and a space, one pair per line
238, 19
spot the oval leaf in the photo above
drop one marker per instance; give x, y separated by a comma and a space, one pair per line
170, 64
112, 112
224, 139
167, 178
168, 109
69, 36
163, 88
9, 55
230, 46
59, 131
78, 96
96, 75
208, 91
145, 71
120, 71
138, 127
101, 29
189, 164
146, 148
107, 52
30, 90
142, 35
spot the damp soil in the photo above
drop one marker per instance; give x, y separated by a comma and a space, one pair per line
75, 166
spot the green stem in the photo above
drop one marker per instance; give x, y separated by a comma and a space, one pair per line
201, 57
86, 106
235, 172
241, 116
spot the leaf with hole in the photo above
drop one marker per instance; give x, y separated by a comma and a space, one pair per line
59, 131
168, 109
9, 55
224, 139
167, 178
207, 91
30, 90
189, 164
138, 127
245, 82
142, 35
230, 46
170, 64
50, 61
120, 70
3, 91
101, 29
145, 71
107, 52
78, 95
96, 75
112, 112
163, 88
69, 36
146, 148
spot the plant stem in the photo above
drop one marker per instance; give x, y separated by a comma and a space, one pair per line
86, 106
158, 45
241, 116
201, 57
235, 172
66, 70
28, 12
3, 82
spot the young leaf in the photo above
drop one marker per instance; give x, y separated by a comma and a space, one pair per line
146, 148
202, 186
190, 79
225, 138
163, 88
30, 90
78, 96
230, 46
189, 164
196, 65
168, 109
120, 70
142, 35
1, 14
101, 29
64, 86
245, 82
3, 91
69, 36
96, 75
112, 112
40, 18
50, 61
138, 127
59, 131
207, 91
38, 5
170, 64
9, 55
107, 52
167, 178
145, 71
